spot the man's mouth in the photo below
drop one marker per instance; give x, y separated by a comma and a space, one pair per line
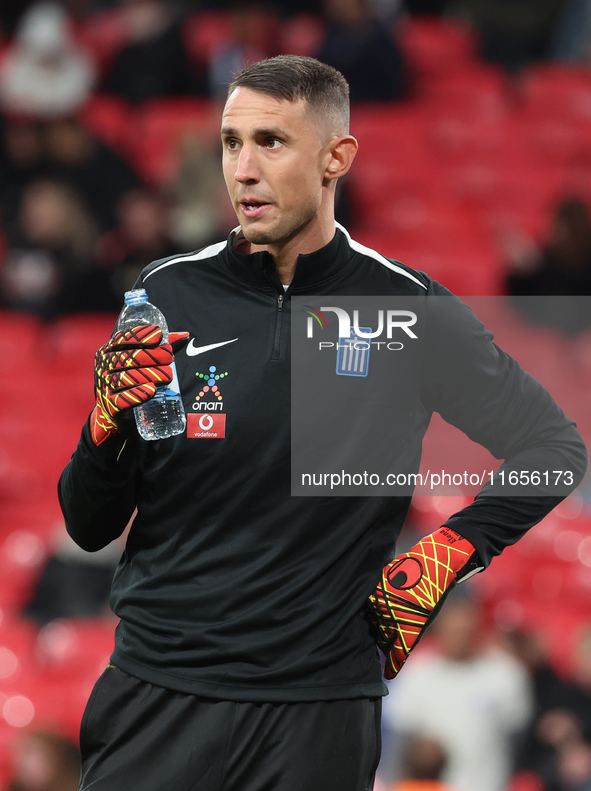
253, 208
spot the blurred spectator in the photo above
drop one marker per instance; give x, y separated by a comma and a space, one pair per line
359, 46
100, 175
572, 37
561, 268
574, 766
424, 761
389, 10
141, 236
582, 680
564, 760
21, 154
51, 250
201, 213
554, 702
154, 61
550, 690
64, 149
44, 73
45, 762
473, 700
10, 13
564, 265
255, 34
514, 32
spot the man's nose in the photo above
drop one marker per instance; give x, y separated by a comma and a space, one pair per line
247, 168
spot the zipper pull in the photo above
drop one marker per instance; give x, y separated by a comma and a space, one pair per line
280, 302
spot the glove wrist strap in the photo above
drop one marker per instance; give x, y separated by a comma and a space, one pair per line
463, 558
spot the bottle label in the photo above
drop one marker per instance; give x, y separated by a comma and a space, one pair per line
173, 388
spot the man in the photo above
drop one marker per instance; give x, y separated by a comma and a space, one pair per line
244, 659
488, 689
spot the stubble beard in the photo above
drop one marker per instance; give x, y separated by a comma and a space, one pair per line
283, 231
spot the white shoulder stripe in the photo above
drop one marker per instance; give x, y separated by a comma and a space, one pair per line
360, 248
207, 252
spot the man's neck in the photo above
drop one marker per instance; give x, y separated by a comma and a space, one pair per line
286, 255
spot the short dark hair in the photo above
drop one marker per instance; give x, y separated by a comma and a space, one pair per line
295, 77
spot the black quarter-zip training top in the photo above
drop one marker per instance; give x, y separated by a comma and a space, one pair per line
231, 588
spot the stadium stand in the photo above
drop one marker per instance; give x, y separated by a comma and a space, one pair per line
435, 179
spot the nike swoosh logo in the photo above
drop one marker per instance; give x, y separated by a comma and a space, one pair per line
193, 351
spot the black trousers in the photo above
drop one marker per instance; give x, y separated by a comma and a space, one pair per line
139, 737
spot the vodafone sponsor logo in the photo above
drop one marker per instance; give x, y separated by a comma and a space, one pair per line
206, 426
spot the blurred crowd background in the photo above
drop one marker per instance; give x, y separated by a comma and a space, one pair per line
474, 123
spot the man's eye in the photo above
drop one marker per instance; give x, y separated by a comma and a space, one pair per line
231, 144
273, 143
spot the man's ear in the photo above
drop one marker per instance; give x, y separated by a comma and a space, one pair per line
342, 153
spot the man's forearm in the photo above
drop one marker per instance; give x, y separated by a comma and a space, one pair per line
493, 522
97, 489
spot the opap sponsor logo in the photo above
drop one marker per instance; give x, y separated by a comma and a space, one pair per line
209, 398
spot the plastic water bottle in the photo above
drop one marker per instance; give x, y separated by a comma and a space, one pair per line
163, 415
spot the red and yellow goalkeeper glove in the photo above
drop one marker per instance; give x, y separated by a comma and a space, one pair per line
412, 587
127, 371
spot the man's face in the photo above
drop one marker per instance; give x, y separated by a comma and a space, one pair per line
274, 162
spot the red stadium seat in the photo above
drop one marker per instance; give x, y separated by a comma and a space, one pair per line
302, 34
47, 676
20, 335
393, 161
6, 767
112, 120
557, 91
103, 34
74, 339
503, 222
553, 141
386, 131
420, 223
452, 138
524, 188
17, 642
477, 92
525, 781
206, 32
34, 702
22, 553
464, 269
433, 45
473, 269
70, 648
59, 704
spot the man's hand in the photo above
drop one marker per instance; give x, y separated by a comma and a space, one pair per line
412, 587
127, 371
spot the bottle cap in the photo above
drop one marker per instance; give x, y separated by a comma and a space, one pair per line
136, 297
